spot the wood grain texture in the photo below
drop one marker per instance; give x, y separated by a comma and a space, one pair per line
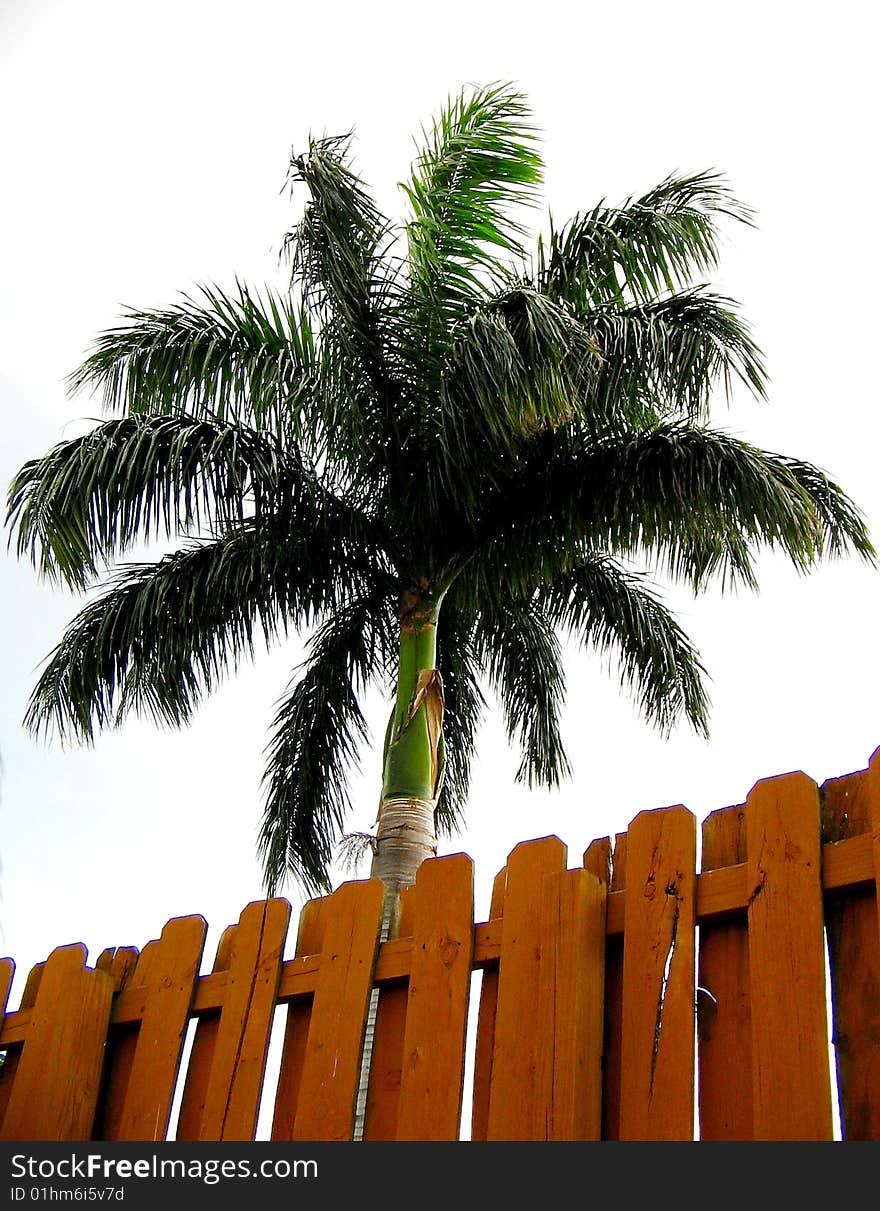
232, 1096
386, 1065
144, 1065
791, 1078
432, 1084
657, 1046
201, 1056
58, 1078
514, 1095
570, 1007
329, 1082
309, 940
724, 1036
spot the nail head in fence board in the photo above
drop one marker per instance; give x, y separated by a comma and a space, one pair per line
724, 1018
232, 1099
513, 1095
201, 1056
792, 1088
485, 1043
657, 1045
437, 1002
296, 1030
851, 807
58, 1079
571, 1000
329, 1082
386, 1061
167, 970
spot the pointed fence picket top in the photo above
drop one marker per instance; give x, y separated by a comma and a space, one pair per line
232, 1065
145, 1045
589, 1001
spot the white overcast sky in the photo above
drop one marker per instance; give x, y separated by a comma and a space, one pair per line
144, 149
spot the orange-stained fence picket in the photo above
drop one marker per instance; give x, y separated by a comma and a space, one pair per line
614, 998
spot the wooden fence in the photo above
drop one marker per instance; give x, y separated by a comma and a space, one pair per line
600, 1016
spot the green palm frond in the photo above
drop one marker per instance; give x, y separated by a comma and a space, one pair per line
338, 251
90, 499
664, 359
519, 364
522, 658
478, 166
678, 485
217, 357
165, 633
614, 611
317, 733
696, 500
635, 252
342, 260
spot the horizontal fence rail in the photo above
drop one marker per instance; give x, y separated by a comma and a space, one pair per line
614, 998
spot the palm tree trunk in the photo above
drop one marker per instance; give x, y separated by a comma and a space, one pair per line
406, 833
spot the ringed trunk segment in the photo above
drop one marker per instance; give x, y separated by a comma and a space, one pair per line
413, 765
406, 836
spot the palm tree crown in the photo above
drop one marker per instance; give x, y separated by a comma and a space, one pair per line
437, 452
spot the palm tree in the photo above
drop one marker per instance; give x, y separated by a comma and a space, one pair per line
437, 453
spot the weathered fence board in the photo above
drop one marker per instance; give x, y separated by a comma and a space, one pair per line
570, 1006
141, 1066
310, 940
514, 1100
657, 1047
55, 1096
723, 1006
329, 1081
790, 1070
231, 1083
386, 1068
432, 1078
